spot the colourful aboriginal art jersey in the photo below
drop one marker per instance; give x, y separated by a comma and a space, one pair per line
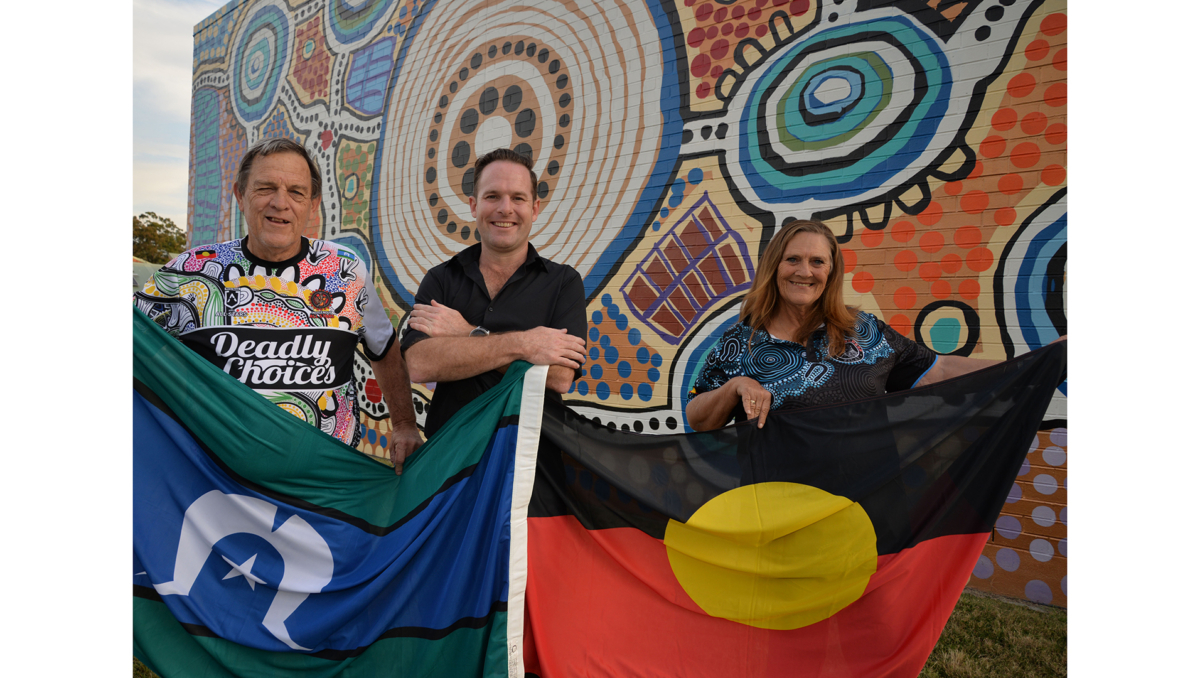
877, 360
285, 329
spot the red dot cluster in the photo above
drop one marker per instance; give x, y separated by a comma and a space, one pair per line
945, 260
940, 252
720, 27
312, 74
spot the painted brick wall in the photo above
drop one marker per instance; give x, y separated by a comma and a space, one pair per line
671, 140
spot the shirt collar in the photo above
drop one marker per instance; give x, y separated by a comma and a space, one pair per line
469, 258
257, 261
771, 337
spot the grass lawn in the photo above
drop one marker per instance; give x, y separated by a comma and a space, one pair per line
987, 637
993, 637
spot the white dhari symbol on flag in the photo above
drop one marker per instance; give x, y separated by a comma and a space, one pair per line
307, 560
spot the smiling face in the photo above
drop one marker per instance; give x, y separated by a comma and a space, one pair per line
806, 265
505, 207
277, 203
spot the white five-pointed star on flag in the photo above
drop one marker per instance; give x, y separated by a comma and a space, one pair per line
243, 570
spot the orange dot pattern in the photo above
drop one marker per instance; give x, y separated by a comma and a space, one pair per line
863, 282
943, 252
849, 259
932, 242
968, 289
1010, 184
1004, 119
974, 202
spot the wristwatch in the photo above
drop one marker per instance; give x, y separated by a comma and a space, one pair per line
480, 331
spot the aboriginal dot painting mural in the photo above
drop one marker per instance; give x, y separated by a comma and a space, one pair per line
671, 139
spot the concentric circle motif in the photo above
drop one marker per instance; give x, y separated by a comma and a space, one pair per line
949, 327
259, 57
560, 85
352, 23
1033, 272
860, 383
772, 362
828, 119
517, 105
868, 333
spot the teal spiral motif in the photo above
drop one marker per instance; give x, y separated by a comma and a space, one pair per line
841, 112
258, 63
771, 362
868, 333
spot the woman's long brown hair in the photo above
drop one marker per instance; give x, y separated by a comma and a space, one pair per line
762, 302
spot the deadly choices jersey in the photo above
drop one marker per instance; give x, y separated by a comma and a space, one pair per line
285, 329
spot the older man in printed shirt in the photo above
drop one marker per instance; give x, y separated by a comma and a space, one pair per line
283, 313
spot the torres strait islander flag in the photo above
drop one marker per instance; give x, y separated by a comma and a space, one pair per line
264, 547
521, 542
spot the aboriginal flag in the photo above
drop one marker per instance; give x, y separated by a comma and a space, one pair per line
835, 541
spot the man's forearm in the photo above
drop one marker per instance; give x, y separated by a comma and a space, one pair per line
454, 358
559, 379
392, 375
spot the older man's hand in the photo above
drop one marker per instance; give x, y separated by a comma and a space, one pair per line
404, 441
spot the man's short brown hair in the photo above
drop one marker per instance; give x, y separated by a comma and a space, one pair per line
507, 155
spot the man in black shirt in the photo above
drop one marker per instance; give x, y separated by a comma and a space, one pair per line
496, 301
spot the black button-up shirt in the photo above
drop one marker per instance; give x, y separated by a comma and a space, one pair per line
540, 293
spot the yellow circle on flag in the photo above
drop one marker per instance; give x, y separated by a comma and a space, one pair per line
774, 555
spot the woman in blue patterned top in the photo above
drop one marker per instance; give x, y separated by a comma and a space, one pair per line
797, 342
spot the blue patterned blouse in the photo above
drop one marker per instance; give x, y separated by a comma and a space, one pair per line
877, 360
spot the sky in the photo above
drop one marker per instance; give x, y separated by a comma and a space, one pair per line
162, 87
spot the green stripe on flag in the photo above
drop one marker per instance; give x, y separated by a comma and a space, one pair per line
168, 649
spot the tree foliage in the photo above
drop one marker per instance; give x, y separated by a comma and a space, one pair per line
155, 238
